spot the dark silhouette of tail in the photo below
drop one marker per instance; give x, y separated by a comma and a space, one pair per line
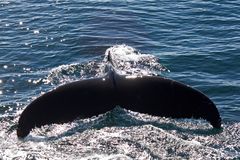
146, 94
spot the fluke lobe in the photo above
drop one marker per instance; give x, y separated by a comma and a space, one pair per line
153, 95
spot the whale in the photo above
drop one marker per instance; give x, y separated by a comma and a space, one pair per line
153, 95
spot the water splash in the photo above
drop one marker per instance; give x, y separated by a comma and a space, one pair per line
122, 134
130, 61
126, 60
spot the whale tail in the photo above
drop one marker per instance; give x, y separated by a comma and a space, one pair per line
153, 95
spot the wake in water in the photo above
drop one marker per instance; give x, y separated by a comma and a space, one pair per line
130, 61
118, 134
126, 59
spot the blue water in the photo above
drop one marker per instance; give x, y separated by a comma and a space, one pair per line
198, 41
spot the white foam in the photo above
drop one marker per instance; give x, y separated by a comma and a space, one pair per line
130, 60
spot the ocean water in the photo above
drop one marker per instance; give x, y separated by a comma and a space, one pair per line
44, 44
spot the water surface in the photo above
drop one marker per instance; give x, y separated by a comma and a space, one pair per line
48, 43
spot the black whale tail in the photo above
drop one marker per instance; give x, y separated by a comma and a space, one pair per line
147, 94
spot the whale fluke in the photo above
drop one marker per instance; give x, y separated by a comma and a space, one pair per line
153, 95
